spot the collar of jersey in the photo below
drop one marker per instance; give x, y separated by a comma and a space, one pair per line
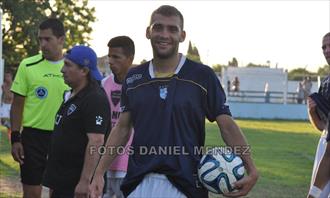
115, 79
55, 62
181, 62
80, 94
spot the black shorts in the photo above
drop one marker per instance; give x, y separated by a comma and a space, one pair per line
62, 194
36, 143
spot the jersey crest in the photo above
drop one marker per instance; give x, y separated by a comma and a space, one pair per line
115, 96
71, 109
163, 92
41, 92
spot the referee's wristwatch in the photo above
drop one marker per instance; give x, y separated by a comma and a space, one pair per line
15, 137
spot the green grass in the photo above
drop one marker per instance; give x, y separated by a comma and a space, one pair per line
282, 150
9, 169
8, 166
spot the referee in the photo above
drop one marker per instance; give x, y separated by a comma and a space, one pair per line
38, 91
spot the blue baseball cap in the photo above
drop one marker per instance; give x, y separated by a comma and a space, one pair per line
85, 57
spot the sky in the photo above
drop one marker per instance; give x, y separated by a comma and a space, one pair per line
286, 33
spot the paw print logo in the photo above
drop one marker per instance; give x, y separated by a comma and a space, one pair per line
99, 120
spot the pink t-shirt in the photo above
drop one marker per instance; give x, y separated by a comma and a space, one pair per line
113, 91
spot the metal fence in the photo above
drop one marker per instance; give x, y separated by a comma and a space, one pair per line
263, 97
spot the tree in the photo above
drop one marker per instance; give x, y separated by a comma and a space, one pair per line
233, 63
217, 67
255, 65
300, 73
21, 20
193, 54
143, 61
323, 71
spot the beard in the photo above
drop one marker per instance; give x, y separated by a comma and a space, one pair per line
49, 55
164, 54
46, 53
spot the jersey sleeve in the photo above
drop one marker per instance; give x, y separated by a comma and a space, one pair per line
324, 89
328, 134
20, 84
96, 118
216, 98
124, 102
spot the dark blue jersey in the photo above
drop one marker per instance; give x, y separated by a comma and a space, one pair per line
324, 106
168, 116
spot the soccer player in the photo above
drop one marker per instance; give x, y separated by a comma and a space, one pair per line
80, 125
121, 55
166, 100
38, 92
319, 112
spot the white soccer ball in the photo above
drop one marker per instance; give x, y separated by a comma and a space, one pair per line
219, 168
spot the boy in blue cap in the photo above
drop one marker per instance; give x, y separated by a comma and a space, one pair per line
80, 123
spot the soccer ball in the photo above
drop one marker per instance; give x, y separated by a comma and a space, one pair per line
219, 168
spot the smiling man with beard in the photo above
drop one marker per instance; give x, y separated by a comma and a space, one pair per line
166, 100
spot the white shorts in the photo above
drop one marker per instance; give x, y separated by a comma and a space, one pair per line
114, 180
156, 185
318, 156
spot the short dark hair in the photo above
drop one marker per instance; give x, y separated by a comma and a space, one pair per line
167, 10
326, 35
125, 42
55, 25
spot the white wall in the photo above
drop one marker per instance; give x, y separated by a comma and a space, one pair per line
255, 78
269, 111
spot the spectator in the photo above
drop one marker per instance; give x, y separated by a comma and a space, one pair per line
228, 87
307, 86
300, 93
6, 100
267, 93
235, 84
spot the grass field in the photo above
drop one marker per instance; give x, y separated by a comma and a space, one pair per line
283, 152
